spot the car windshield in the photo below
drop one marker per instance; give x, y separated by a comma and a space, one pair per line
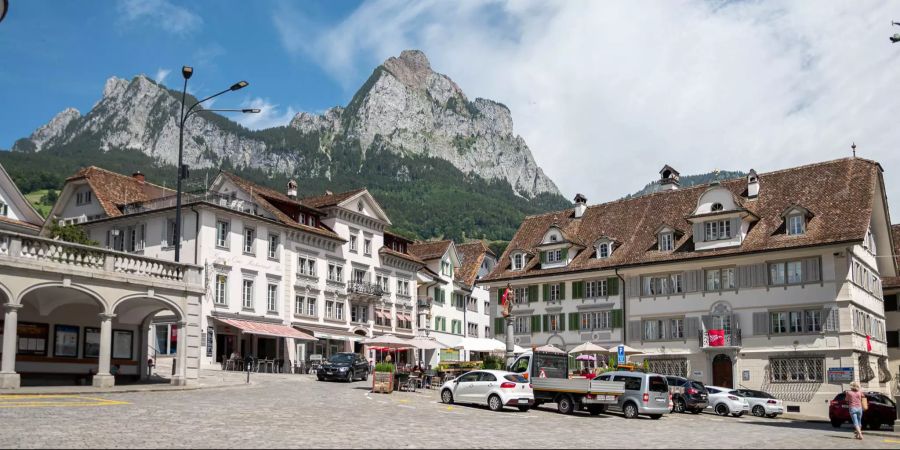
698, 386
515, 378
658, 384
341, 358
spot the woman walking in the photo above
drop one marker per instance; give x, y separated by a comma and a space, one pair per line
855, 399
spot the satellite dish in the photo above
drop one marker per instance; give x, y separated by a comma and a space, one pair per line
4, 6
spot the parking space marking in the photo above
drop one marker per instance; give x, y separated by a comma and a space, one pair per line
54, 401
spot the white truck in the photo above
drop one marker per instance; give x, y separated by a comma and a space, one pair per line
549, 376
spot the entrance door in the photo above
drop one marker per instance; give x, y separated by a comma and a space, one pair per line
224, 346
721, 372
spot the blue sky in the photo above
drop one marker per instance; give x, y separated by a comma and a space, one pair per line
604, 92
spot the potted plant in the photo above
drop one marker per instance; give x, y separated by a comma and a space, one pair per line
383, 378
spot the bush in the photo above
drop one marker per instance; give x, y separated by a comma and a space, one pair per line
384, 367
493, 362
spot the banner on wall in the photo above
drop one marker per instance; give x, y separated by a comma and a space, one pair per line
716, 338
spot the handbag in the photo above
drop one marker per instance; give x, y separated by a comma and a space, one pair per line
865, 403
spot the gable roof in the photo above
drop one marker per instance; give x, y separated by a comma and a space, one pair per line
33, 219
471, 255
114, 189
330, 199
426, 250
840, 194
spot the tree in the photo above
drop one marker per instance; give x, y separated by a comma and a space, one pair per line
71, 233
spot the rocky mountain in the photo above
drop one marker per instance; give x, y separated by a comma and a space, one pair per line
409, 134
691, 180
404, 107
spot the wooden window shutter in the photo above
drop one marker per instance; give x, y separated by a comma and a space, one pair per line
577, 287
564, 255
760, 323
691, 327
616, 319
811, 270
706, 321
744, 276
535, 324
546, 321
698, 232
832, 319
759, 276
574, 322
735, 226
498, 326
561, 320
543, 257
634, 331
690, 280
634, 287
612, 286
532, 293
546, 293
562, 290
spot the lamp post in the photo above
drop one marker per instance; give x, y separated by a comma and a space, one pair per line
186, 72
510, 324
896, 37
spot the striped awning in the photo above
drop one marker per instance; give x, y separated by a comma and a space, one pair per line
267, 329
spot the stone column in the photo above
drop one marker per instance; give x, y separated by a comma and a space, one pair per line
103, 378
180, 377
9, 379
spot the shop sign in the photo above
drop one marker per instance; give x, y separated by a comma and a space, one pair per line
840, 374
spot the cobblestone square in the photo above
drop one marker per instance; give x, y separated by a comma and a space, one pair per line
297, 411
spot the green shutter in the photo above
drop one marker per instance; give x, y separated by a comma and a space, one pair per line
564, 254
574, 324
612, 286
562, 322
535, 324
543, 257
562, 290
546, 321
615, 318
578, 289
546, 295
498, 326
532, 293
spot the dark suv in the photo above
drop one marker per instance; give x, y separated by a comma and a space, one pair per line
687, 395
344, 366
882, 411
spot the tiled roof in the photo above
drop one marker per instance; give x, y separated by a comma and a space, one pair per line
113, 189
426, 250
471, 256
326, 200
391, 252
893, 282
19, 223
838, 193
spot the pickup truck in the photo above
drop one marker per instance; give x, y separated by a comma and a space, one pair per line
549, 376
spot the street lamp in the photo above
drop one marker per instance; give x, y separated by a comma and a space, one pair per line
187, 72
896, 37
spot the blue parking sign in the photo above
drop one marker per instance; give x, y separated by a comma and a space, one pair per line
621, 354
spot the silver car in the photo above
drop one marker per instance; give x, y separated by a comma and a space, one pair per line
645, 394
762, 404
724, 402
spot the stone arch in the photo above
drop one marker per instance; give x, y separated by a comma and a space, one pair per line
360, 331
557, 340
6, 295
170, 305
104, 307
721, 307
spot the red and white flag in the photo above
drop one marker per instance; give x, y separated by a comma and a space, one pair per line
868, 343
504, 298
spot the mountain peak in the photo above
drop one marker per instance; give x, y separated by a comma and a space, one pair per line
115, 86
412, 68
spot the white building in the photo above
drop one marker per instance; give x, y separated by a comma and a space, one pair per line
285, 277
771, 282
16, 214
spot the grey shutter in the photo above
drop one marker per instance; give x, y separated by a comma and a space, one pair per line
758, 275
691, 327
706, 321
832, 318
698, 232
634, 287
735, 226
760, 323
811, 270
692, 280
634, 331
744, 276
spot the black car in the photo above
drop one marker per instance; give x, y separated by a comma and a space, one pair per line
344, 366
687, 395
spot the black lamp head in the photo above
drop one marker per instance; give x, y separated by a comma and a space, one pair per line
186, 72
250, 111
239, 85
895, 38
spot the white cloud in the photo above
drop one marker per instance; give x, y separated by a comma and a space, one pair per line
270, 115
161, 75
171, 18
605, 93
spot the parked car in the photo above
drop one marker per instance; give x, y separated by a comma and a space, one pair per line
687, 395
882, 411
724, 402
494, 388
645, 394
344, 366
762, 404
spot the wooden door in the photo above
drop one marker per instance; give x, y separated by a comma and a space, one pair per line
722, 372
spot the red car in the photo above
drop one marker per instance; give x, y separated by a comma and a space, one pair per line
882, 411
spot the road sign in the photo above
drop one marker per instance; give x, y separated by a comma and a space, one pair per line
621, 354
840, 374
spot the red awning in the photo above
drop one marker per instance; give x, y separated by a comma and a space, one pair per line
382, 314
405, 317
267, 329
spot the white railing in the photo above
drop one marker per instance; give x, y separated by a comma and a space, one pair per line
76, 256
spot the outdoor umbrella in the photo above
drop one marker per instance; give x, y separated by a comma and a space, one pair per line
628, 351
388, 341
588, 347
586, 358
550, 349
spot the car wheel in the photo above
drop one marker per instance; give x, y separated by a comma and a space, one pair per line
630, 410
447, 396
365, 375
565, 405
722, 409
524, 408
759, 411
679, 406
836, 423
494, 403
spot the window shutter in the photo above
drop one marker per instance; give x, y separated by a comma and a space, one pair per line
577, 289
546, 320
561, 320
735, 226
811, 270
634, 331
760, 323
612, 286
759, 276
543, 257
744, 277
691, 327
615, 318
634, 287
499, 327
690, 280
535, 324
574, 323
562, 290
546, 295
706, 321
890, 302
532, 293
832, 319
698, 233
565, 254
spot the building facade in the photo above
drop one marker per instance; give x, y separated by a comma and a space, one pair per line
892, 315
771, 282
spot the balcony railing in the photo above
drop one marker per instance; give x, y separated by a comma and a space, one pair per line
732, 339
365, 288
424, 302
226, 201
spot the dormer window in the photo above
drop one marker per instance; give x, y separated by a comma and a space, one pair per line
718, 229
553, 238
666, 241
717, 207
603, 250
796, 224
554, 256
518, 261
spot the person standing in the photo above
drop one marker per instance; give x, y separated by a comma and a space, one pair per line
855, 399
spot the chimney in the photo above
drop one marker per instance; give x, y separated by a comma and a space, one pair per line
752, 184
580, 205
668, 178
292, 189
138, 176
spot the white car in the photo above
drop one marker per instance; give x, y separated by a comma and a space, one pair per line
494, 388
762, 404
724, 402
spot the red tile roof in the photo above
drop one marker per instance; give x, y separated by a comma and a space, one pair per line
471, 255
838, 193
113, 190
426, 250
326, 200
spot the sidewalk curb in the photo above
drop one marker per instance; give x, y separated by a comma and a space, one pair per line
127, 391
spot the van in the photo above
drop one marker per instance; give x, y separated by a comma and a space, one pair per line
645, 394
